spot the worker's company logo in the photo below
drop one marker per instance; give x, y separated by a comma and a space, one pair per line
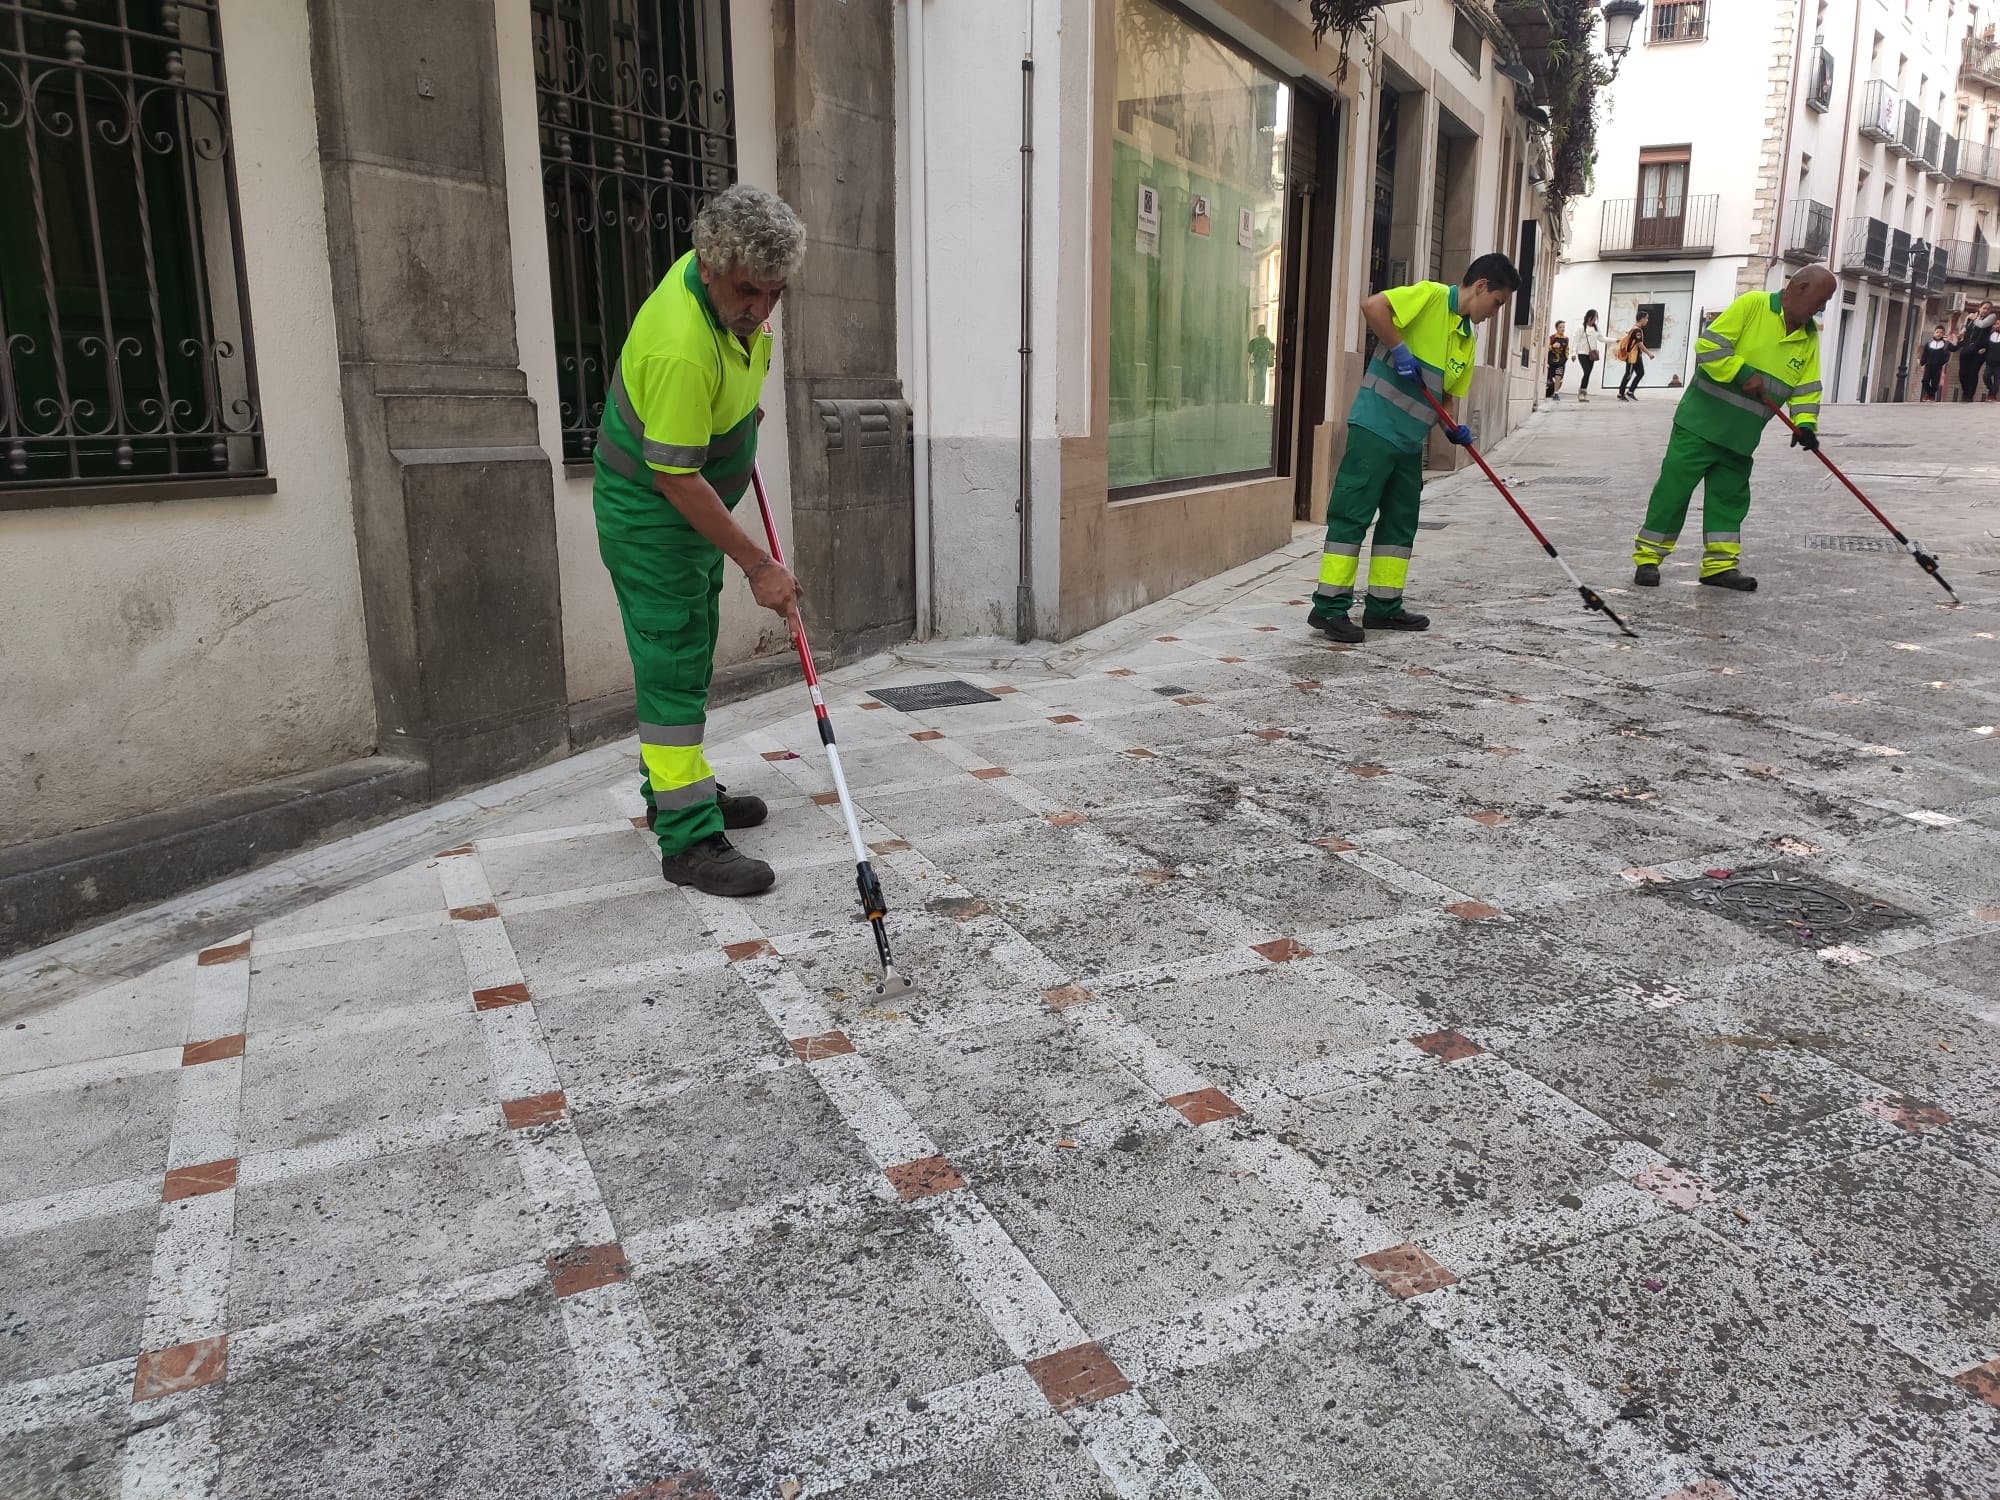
1459, 365
1798, 363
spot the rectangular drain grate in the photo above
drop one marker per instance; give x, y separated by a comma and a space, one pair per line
1822, 541
931, 695
1581, 481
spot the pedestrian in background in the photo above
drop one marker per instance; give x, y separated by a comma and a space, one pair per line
1992, 345
1935, 356
1631, 352
1589, 346
1558, 361
1972, 350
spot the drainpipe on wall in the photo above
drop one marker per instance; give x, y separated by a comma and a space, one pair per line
1840, 187
1024, 592
920, 333
1785, 151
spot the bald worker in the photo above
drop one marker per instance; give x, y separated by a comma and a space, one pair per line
1763, 347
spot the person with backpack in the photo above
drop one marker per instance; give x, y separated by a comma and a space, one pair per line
1631, 352
1589, 348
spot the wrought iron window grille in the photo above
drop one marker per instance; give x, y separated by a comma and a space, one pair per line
637, 124
125, 347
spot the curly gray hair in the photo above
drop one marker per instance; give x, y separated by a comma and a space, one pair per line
747, 229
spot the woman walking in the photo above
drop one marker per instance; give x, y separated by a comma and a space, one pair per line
1558, 360
1632, 352
1589, 345
1972, 350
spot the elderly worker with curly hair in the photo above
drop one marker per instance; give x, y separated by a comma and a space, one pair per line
673, 458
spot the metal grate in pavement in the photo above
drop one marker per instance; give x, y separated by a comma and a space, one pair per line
1783, 903
1825, 541
1432, 525
923, 695
1171, 692
1580, 481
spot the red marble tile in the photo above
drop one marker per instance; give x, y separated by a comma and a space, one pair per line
1446, 1046
1473, 911
184, 1367
1119, 672
1166, 639
500, 996
1077, 1376
1267, 734
784, 754
925, 736
1490, 819
826, 799
1987, 913
1912, 1116
1003, 691
1064, 719
1405, 1271
217, 1049
1306, 685
1982, 1381
1267, 629
586, 1267
693, 1484
1675, 1188
1158, 877
754, 948
990, 773
1502, 750
195, 1182
1064, 996
1232, 660
923, 1179
462, 849
1205, 1106
1281, 950
872, 705
1192, 700
890, 846
1336, 647
827, 1044
536, 1109
485, 911
1334, 845
1418, 672
1369, 771
228, 953
1142, 755
640, 821
1067, 819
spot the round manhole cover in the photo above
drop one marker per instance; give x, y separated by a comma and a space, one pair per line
1768, 898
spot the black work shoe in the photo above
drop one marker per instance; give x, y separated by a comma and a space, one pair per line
1647, 575
1735, 579
740, 812
1402, 619
719, 868
1339, 627
737, 812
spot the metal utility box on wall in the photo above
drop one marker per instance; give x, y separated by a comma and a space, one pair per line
853, 519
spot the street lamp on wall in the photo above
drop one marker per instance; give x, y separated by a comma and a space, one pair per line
1620, 16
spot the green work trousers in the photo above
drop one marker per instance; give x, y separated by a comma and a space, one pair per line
669, 586
1380, 483
1724, 475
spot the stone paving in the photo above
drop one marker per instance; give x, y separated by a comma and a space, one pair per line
1338, 1072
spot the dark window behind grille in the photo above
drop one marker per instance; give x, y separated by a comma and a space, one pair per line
124, 331
637, 132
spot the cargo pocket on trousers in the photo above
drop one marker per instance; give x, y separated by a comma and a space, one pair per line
676, 650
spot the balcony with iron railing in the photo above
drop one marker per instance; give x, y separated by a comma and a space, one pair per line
1940, 268
1658, 228
1978, 164
1979, 63
1973, 262
1910, 137
1865, 247
1881, 114
1808, 231
1949, 171
1933, 152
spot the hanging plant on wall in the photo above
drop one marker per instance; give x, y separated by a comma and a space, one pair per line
1574, 76
1347, 19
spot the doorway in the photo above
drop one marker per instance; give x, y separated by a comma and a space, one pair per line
1304, 349
1669, 297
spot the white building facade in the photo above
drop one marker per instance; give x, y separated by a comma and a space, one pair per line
1749, 140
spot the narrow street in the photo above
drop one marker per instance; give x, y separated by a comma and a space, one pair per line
1504, 1062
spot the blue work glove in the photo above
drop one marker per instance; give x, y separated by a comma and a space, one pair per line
1461, 435
1403, 362
1806, 438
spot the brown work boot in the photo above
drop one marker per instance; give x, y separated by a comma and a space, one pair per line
718, 868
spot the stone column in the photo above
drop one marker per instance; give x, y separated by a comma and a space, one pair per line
453, 494
853, 497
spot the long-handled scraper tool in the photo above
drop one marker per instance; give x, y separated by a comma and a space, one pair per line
1591, 598
872, 905
1924, 559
